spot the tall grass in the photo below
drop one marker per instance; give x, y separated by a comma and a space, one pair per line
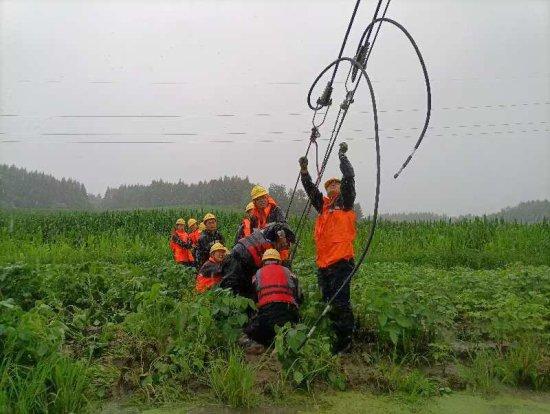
103, 287
141, 235
232, 381
56, 384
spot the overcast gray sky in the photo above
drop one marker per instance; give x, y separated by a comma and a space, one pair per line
86, 70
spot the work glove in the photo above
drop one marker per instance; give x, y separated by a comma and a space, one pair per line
303, 164
343, 149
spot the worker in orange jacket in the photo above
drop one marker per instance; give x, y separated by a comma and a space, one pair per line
194, 233
335, 231
210, 272
181, 245
248, 223
266, 211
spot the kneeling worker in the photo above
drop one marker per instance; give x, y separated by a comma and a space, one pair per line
210, 273
278, 297
246, 257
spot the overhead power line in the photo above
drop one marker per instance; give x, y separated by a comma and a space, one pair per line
448, 133
230, 115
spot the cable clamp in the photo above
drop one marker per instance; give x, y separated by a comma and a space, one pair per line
360, 58
325, 99
348, 101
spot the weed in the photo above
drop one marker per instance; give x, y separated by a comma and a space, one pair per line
232, 381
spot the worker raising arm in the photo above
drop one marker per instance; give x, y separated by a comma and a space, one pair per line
335, 230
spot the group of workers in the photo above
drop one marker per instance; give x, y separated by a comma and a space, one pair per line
258, 267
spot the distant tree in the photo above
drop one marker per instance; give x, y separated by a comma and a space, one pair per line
527, 212
22, 189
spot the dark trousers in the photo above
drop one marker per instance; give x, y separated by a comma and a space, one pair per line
261, 327
341, 316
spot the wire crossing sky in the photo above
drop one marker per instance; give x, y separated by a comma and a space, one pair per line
121, 92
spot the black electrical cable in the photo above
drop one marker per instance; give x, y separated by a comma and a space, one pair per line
366, 34
307, 208
342, 47
377, 31
375, 113
376, 197
426, 81
328, 90
332, 140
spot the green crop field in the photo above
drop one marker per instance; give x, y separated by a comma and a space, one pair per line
93, 312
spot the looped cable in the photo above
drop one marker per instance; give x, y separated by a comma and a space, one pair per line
322, 121
376, 197
368, 29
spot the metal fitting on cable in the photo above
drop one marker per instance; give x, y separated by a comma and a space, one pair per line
348, 101
314, 134
325, 99
360, 58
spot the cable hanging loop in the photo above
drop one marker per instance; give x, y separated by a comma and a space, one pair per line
322, 120
411, 40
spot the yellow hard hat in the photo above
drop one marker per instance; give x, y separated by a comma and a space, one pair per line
217, 246
271, 254
249, 206
257, 191
209, 216
330, 181
191, 222
180, 221
202, 227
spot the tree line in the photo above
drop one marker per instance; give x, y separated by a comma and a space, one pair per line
20, 188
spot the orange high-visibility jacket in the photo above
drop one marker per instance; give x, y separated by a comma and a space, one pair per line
335, 230
181, 254
269, 214
194, 236
209, 276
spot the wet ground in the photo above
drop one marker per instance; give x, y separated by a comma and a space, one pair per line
515, 402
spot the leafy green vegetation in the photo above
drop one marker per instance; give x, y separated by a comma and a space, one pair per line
92, 309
